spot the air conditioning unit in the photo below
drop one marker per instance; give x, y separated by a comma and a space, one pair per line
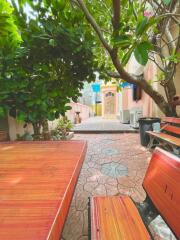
124, 116
135, 114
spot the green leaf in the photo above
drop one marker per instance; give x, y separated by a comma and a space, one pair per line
167, 2
68, 108
141, 52
2, 113
127, 56
52, 42
9, 35
122, 41
21, 117
141, 26
151, 21
51, 116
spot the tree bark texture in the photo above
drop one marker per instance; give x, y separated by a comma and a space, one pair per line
37, 131
45, 130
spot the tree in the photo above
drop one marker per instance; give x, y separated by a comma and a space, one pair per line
48, 69
126, 27
9, 36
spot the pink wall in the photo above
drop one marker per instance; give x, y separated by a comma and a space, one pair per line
145, 102
78, 107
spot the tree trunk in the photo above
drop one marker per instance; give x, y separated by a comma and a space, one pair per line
171, 91
37, 128
45, 130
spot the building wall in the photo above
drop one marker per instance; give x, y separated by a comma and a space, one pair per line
177, 84
114, 104
156, 111
158, 87
17, 128
96, 110
84, 110
150, 108
145, 103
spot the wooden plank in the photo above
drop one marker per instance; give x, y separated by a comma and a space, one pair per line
166, 138
162, 184
116, 218
37, 181
172, 129
171, 120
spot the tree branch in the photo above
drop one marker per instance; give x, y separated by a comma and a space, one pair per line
118, 76
95, 26
113, 74
157, 97
116, 14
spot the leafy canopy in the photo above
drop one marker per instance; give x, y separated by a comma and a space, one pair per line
49, 68
9, 36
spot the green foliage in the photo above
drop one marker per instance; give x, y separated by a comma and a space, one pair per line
141, 52
48, 70
9, 36
64, 124
63, 128
175, 58
141, 25
166, 2
134, 30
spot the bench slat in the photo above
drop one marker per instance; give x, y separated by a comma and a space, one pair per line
171, 120
162, 184
166, 137
172, 129
116, 218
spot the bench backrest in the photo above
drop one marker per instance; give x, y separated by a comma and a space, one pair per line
162, 185
172, 120
171, 129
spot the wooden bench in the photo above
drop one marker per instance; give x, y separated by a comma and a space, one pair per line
118, 217
172, 120
168, 137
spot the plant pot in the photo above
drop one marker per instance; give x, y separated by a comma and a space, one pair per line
70, 135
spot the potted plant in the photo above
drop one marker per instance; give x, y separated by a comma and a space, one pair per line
62, 131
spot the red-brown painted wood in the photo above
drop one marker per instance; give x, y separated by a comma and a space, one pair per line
37, 181
166, 138
171, 129
116, 218
162, 184
171, 120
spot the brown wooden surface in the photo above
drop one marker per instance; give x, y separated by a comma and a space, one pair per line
116, 218
171, 129
37, 181
171, 120
166, 137
162, 184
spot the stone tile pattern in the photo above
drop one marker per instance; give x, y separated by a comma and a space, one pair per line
100, 124
106, 148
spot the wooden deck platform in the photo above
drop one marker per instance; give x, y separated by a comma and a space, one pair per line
37, 181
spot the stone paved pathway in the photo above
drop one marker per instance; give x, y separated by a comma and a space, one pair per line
124, 149
100, 124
